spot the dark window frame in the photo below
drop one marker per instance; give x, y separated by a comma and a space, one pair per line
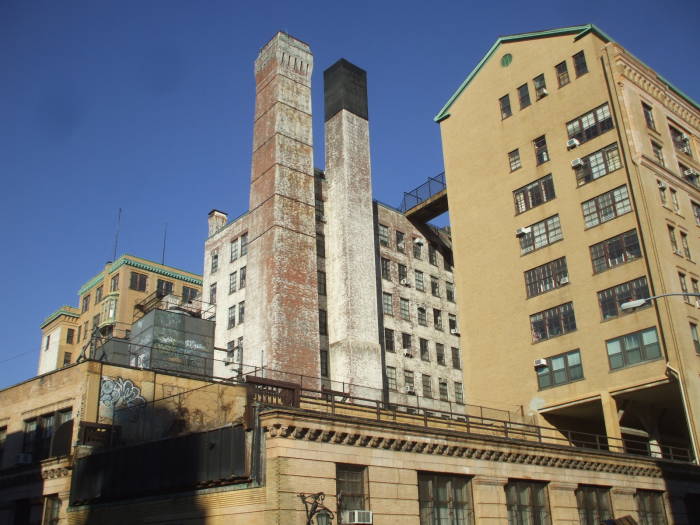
606, 207
553, 322
546, 277
615, 251
610, 299
549, 377
647, 351
534, 194
599, 164
591, 124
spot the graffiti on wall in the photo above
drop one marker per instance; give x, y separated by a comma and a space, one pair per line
117, 393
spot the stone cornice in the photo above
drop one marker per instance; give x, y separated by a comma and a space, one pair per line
650, 83
285, 424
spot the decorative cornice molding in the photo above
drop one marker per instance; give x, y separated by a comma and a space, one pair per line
55, 473
448, 447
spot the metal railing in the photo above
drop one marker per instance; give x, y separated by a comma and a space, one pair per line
432, 186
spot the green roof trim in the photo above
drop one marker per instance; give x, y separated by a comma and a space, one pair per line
63, 310
129, 261
580, 32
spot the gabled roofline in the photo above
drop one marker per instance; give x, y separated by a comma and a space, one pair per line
580, 32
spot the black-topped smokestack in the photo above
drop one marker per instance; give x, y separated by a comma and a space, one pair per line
345, 87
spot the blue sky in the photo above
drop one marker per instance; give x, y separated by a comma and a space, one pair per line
147, 106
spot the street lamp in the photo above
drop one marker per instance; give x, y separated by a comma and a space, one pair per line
631, 305
314, 507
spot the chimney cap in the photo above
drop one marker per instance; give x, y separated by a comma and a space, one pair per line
214, 211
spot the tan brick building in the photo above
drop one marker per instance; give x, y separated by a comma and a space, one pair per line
106, 305
572, 173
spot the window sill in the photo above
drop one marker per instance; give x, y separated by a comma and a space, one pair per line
612, 370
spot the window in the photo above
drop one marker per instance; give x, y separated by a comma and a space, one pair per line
383, 235
527, 502
244, 244
541, 153
39, 431
560, 369
633, 348
662, 191
555, 321
403, 274
696, 285
541, 234
432, 255
450, 292
99, 292
389, 340
580, 65
417, 248
47, 342
234, 249
420, 285
318, 206
321, 278
615, 251
606, 207
658, 152
242, 277
86, 303
214, 260
504, 103
387, 304
696, 212
164, 287
323, 322
351, 481
400, 242
684, 245
424, 349
406, 341
232, 282
589, 125
440, 353
434, 286
593, 504
648, 116
212, 294
232, 316
404, 309
459, 393
391, 378
611, 298
408, 378
452, 323
599, 164
681, 141
684, 286
672, 238
52, 507
437, 319
674, 200
540, 86
456, 362
427, 386
534, 194
514, 159
114, 283
694, 336
650, 507
562, 74
67, 356
138, 281
546, 277
524, 96
422, 317
320, 245
189, 294
96, 321
386, 269
241, 312
70, 334
323, 354
442, 390
445, 499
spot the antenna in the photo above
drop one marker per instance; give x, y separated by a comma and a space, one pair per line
116, 235
165, 236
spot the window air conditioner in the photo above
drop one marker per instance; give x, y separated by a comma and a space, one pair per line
542, 92
540, 363
661, 184
405, 282
685, 148
577, 163
522, 232
23, 458
690, 173
418, 241
564, 279
408, 353
454, 331
409, 389
355, 517
684, 137
572, 143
